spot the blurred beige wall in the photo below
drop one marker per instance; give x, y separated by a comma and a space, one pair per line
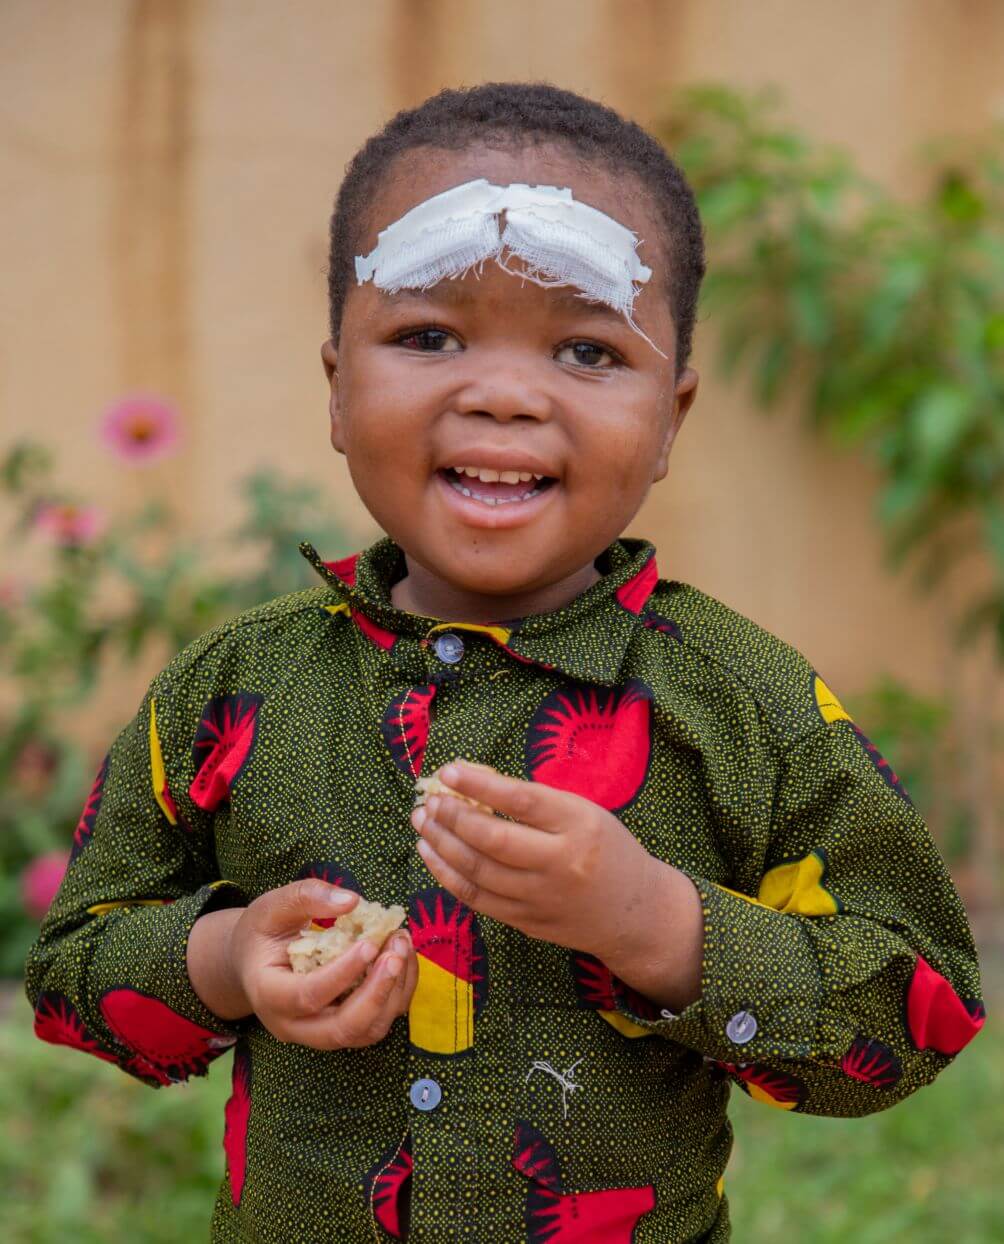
166, 173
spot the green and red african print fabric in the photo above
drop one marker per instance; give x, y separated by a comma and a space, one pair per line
529, 1094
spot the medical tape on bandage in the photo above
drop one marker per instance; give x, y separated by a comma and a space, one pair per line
558, 240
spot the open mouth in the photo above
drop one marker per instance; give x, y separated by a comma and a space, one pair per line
470, 482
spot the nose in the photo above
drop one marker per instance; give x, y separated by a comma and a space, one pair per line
506, 389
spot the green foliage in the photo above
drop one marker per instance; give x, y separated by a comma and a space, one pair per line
88, 1154
886, 318
925, 1171
124, 596
920, 735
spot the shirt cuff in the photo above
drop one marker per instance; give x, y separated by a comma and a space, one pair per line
761, 988
146, 998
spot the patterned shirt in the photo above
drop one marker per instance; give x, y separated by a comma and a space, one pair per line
529, 1094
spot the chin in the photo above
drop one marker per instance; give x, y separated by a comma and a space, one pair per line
485, 572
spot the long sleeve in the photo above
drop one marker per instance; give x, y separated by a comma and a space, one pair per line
850, 979
108, 973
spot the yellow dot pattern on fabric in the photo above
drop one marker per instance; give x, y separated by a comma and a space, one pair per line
513, 1103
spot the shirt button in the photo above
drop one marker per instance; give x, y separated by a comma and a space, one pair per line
449, 648
426, 1094
741, 1027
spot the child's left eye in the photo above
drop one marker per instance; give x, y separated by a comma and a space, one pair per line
587, 354
430, 341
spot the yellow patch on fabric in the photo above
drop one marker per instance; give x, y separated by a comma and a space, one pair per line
342, 608
102, 909
625, 1026
441, 1015
747, 898
758, 1094
720, 1186
796, 888
830, 708
157, 767
499, 633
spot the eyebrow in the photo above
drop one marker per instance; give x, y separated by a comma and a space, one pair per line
452, 293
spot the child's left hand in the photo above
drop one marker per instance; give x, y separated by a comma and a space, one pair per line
567, 871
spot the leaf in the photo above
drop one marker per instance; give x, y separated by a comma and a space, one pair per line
938, 421
993, 519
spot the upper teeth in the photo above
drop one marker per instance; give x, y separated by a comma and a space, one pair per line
488, 476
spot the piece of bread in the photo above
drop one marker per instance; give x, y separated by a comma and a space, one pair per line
317, 945
434, 785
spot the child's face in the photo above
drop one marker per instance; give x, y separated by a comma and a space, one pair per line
491, 371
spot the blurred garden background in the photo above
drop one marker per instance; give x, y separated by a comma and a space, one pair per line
167, 169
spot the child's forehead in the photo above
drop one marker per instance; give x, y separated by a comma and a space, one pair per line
422, 172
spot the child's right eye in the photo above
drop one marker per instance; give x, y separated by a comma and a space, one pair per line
430, 340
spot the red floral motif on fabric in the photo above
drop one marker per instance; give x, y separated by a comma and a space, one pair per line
222, 747
344, 568
447, 932
608, 1216
85, 826
405, 727
333, 874
166, 1046
936, 1017
872, 1063
57, 1021
388, 1189
597, 989
633, 594
236, 1114
778, 1086
593, 741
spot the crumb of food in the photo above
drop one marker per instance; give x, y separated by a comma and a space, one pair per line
434, 785
316, 945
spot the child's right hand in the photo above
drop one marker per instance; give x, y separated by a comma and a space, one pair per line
301, 1008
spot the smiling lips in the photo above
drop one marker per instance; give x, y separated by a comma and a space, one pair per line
494, 487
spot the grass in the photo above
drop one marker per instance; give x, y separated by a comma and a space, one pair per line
88, 1154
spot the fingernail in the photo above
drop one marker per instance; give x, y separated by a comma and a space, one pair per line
337, 898
449, 773
369, 952
393, 967
418, 817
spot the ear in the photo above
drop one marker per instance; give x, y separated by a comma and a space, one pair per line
329, 357
683, 398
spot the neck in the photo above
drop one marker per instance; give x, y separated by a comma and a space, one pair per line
426, 594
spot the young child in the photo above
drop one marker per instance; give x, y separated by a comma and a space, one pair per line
698, 871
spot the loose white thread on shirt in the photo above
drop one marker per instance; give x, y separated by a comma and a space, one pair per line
564, 1078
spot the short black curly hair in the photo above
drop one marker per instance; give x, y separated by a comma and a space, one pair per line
507, 113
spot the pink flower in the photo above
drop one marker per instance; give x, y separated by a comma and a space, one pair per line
68, 524
40, 881
141, 428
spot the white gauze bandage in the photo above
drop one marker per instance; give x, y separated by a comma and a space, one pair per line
558, 240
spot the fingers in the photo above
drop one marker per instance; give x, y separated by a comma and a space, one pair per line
294, 995
533, 803
366, 1016
498, 906
459, 845
515, 846
288, 908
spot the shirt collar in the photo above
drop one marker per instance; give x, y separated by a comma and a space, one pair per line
585, 639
